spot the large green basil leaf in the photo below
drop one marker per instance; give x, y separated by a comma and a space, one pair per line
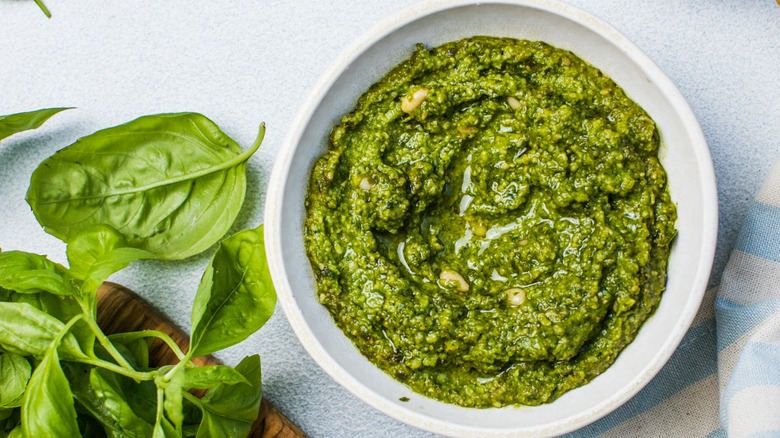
47, 408
25, 330
236, 295
230, 410
99, 251
12, 123
172, 184
15, 371
25, 272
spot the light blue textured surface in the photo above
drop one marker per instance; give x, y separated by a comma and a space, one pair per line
245, 61
760, 234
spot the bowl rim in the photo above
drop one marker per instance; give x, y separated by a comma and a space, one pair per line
279, 179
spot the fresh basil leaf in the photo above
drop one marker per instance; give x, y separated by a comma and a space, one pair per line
11, 420
89, 426
109, 403
236, 295
5, 414
99, 251
15, 371
16, 432
118, 393
12, 123
123, 350
162, 427
61, 307
25, 272
25, 330
173, 403
137, 351
230, 410
211, 375
47, 408
159, 431
91, 246
172, 184
240, 401
215, 425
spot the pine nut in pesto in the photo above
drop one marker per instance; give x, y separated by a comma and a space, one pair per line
491, 224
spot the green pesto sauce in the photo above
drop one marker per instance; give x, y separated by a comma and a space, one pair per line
491, 224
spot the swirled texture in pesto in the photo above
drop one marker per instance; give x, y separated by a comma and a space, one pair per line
491, 224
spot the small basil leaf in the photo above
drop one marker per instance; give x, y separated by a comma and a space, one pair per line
63, 308
12, 420
16, 432
235, 287
5, 414
89, 426
172, 184
99, 251
25, 272
16, 371
159, 431
215, 425
211, 375
238, 402
117, 394
137, 351
109, 402
173, 403
25, 330
13, 123
89, 246
162, 427
47, 408
230, 410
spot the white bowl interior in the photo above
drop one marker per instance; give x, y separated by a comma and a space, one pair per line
684, 155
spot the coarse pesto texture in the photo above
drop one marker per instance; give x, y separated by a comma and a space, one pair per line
491, 224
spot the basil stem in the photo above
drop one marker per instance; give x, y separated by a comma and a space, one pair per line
43, 8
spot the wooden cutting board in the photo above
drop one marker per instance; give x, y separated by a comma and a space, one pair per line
121, 310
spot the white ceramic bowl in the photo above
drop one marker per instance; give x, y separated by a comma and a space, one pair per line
684, 154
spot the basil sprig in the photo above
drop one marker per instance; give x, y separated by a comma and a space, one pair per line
160, 187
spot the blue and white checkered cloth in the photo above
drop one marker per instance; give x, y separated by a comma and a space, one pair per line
724, 378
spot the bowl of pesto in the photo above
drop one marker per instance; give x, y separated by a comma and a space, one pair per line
492, 219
